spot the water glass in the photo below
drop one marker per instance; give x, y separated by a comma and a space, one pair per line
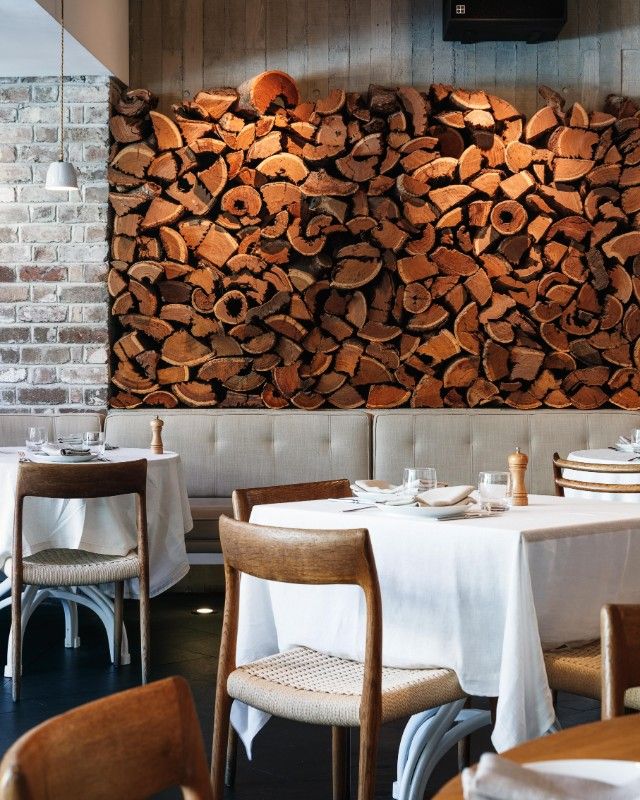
94, 440
418, 480
36, 437
635, 436
494, 489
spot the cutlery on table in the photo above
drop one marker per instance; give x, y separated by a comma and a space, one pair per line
357, 508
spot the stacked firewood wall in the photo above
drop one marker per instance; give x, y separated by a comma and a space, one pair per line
396, 248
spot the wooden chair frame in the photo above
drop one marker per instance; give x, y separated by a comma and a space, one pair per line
620, 636
245, 499
130, 745
581, 466
83, 481
305, 557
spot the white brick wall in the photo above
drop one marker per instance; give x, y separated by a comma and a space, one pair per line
53, 247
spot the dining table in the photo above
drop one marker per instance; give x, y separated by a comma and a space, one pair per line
98, 525
483, 596
605, 455
617, 739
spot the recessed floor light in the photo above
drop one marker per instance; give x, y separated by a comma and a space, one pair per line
204, 610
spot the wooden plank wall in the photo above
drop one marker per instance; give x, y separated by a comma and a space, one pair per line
181, 46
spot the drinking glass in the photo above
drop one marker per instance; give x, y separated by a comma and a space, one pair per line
416, 480
36, 437
94, 440
635, 436
494, 489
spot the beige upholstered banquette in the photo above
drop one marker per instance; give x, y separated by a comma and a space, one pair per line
13, 427
461, 442
227, 449
223, 450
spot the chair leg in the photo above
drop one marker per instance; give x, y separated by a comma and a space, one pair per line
144, 630
464, 753
220, 740
118, 595
369, 734
232, 758
341, 762
16, 639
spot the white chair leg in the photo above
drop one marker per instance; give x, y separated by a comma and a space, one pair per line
71, 638
427, 737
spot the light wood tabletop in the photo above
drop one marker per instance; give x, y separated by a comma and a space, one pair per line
617, 738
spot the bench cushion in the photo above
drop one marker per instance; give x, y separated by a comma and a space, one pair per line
225, 449
13, 427
462, 442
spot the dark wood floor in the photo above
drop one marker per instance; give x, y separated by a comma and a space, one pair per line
290, 760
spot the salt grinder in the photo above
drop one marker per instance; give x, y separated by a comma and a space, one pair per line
517, 467
156, 436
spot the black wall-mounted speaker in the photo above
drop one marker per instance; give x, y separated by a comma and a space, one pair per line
532, 21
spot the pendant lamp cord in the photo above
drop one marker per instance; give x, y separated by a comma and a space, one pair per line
61, 80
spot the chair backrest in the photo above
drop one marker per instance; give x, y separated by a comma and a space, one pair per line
620, 635
130, 745
562, 483
307, 557
81, 481
245, 499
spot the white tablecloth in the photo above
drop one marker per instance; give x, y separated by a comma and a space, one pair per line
106, 525
478, 596
603, 456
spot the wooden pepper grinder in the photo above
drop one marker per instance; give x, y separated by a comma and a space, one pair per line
517, 467
156, 436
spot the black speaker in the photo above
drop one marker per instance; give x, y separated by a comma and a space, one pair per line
532, 21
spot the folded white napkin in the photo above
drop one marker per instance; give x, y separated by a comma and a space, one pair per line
68, 450
497, 778
377, 487
445, 496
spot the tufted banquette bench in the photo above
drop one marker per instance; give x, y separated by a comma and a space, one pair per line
223, 449
13, 427
226, 449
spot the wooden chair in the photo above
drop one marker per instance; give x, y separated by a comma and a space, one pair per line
602, 673
130, 745
562, 483
245, 499
579, 670
620, 632
286, 684
66, 567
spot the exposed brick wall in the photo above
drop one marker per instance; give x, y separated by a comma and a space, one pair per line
53, 247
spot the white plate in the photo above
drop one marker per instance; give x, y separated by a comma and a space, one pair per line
40, 458
429, 512
616, 773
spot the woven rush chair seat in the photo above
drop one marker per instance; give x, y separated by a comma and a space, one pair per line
578, 670
305, 685
64, 567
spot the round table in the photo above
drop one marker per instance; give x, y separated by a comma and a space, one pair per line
101, 525
603, 456
617, 738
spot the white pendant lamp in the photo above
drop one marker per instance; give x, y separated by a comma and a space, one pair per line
61, 175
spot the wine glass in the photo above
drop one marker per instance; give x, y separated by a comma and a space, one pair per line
494, 489
418, 479
36, 437
94, 441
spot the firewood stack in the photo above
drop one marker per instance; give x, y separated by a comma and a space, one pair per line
388, 249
